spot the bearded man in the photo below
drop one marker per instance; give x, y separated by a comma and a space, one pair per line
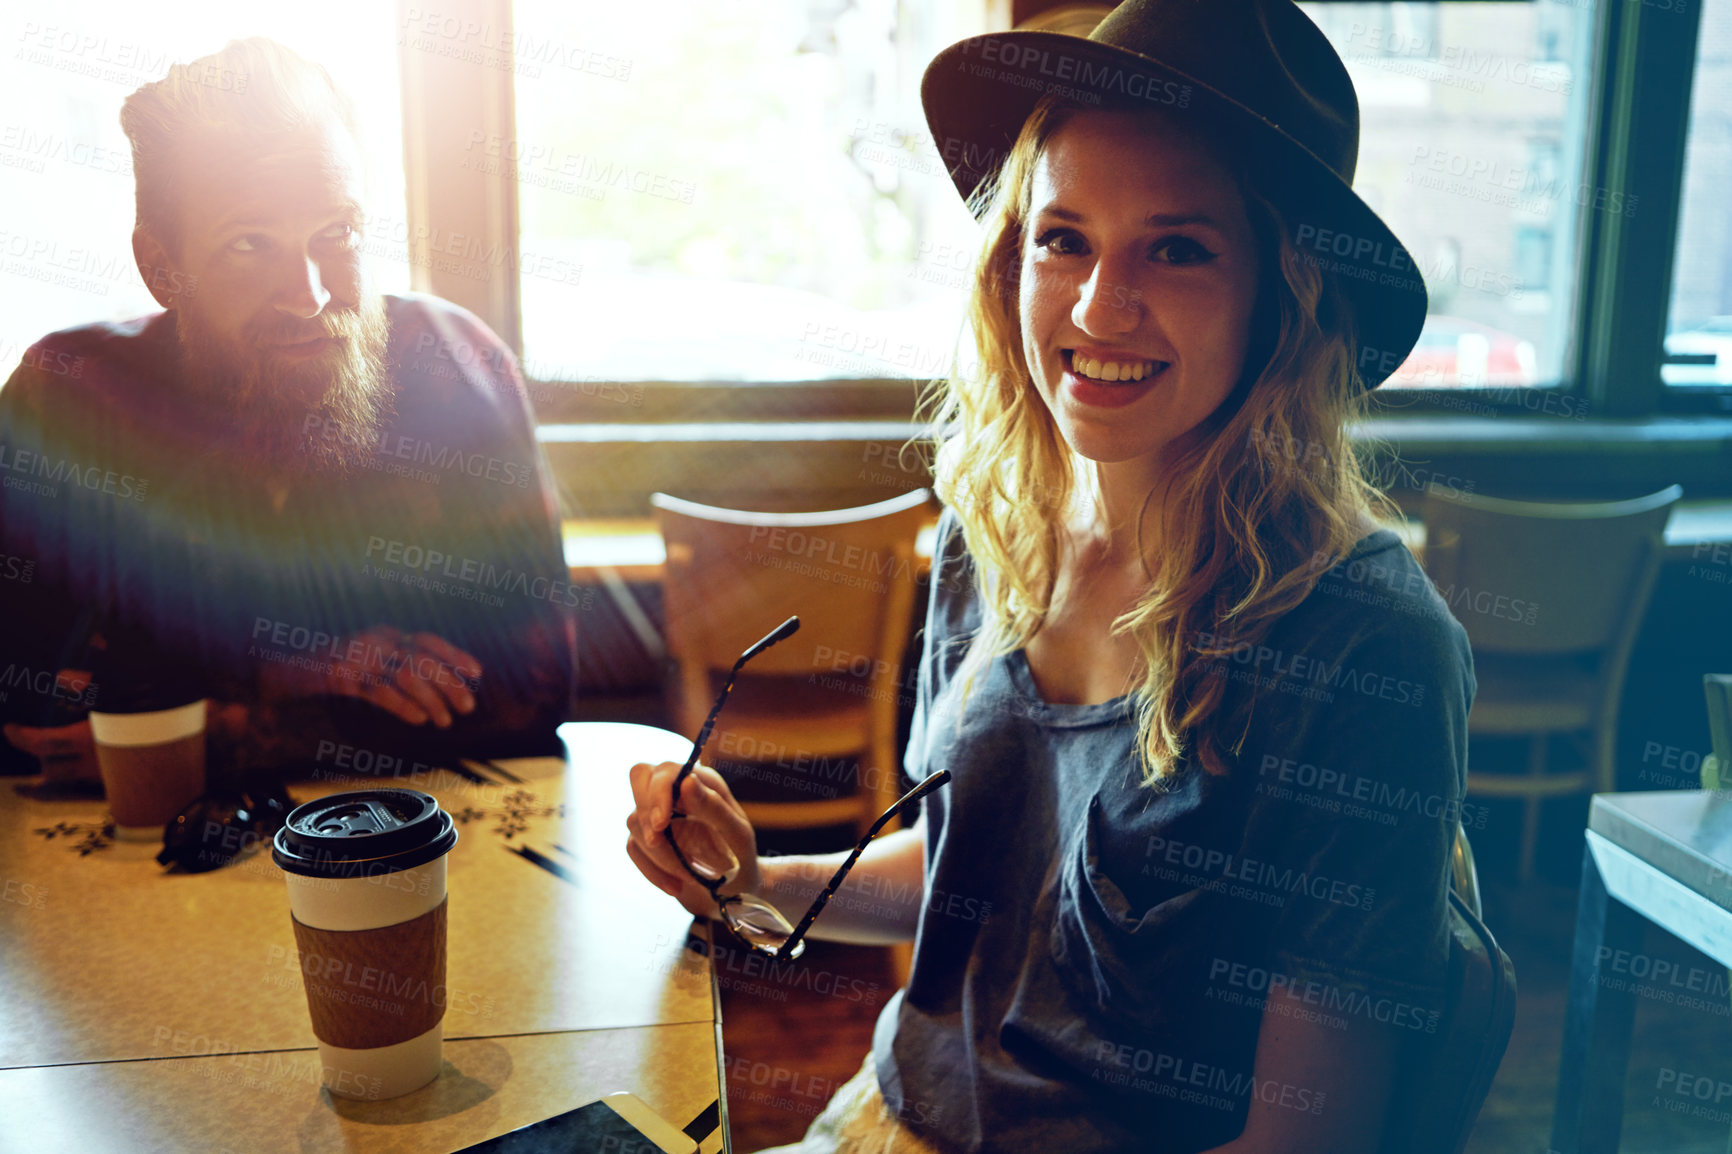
319, 505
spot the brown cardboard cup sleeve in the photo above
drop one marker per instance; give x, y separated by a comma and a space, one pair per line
378, 987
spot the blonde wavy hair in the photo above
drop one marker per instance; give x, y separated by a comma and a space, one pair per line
1260, 504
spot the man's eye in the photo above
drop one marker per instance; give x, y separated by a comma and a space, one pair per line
341, 233
1181, 250
249, 243
1061, 242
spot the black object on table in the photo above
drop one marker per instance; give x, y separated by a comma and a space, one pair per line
593, 1127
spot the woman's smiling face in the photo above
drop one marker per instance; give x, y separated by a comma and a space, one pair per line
1139, 274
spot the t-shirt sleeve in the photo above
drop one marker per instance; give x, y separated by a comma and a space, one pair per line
914, 759
1359, 794
951, 580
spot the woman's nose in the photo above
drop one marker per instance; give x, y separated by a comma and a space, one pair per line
1107, 303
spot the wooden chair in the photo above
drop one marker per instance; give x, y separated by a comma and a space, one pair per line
1552, 596
831, 690
828, 696
1442, 1079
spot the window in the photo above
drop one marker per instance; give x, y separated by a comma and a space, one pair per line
1533, 254
66, 169
1552, 32
1699, 323
748, 192
1545, 160
1464, 111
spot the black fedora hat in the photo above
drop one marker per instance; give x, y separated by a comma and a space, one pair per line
1260, 68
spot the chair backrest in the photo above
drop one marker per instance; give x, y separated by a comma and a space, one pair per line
1442, 1079
1545, 577
850, 575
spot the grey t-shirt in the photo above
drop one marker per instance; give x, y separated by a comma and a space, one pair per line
1093, 955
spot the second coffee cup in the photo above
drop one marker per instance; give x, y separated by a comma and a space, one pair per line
366, 874
152, 765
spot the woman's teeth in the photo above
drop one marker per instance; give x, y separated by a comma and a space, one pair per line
1113, 370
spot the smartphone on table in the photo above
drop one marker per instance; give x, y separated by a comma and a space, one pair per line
620, 1123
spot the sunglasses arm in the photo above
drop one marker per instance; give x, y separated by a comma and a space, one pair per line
823, 899
781, 632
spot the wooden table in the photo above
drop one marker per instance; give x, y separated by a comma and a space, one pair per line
1665, 858
152, 1011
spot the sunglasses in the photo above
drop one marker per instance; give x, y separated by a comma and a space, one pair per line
212, 831
753, 920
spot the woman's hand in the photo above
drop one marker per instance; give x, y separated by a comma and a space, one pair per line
715, 827
417, 677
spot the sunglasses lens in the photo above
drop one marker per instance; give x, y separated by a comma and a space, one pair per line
707, 854
264, 814
760, 924
201, 837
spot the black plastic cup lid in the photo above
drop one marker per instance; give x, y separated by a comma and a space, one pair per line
363, 833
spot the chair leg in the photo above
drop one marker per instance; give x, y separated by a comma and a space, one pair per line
1531, 810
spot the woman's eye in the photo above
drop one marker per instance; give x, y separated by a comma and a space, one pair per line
248, 243
341, 233
1182, 250
1061, 242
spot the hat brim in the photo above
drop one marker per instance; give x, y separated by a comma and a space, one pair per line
978, 92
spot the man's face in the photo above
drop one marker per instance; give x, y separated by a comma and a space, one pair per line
282, 334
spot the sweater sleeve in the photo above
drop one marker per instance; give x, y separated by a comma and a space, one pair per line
48, 626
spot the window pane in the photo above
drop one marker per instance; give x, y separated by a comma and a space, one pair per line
749, 190
1471, 123
1699, 326
66, 168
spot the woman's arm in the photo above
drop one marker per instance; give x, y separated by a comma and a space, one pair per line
1297, 1062
880, 900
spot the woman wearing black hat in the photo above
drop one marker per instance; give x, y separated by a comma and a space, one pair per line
1206, 722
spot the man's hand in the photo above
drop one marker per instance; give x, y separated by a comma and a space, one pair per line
417, 677
67, 752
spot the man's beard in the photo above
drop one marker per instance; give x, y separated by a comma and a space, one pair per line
320, 415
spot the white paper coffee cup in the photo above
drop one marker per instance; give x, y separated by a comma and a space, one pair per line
368, 906
152, 765
360, 904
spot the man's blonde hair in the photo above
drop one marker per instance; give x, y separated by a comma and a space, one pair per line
251, 91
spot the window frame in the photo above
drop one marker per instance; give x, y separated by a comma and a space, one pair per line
1638, 126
